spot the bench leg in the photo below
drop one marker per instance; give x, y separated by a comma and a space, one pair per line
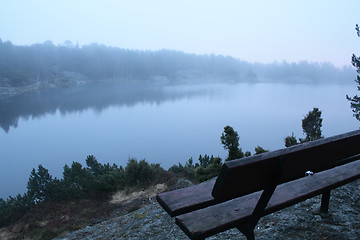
248, 228
325, 199
249, 233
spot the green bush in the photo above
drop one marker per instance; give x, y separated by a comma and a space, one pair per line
142, 173
187, 171
14, 208
209, 168
78, 181
259, 150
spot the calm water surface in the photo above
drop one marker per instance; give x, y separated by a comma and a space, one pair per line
164, 125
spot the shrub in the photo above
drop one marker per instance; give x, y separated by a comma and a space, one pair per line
78, 181
14, 208
141, 173
209, 168
187, 171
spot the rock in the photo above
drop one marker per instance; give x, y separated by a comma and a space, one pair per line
300, 221
182, 183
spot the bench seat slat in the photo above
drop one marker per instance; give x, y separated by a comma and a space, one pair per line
187, 199
223, 216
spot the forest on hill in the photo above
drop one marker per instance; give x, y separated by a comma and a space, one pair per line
45, 66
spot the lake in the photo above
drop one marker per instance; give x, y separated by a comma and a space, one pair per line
164, 125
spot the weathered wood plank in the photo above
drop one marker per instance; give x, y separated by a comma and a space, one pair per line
223, 216
195, 197
187, 199
247, 175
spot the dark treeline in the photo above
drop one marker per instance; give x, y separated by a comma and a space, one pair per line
95, 180
99, 181
63, 64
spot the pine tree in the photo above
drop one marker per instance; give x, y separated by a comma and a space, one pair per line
230, 140
290, 140
355, 100
39, 184
259, 150
311, 125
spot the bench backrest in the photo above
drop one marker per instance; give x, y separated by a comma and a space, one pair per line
244, 176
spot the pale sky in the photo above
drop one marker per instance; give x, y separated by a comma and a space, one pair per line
254, 31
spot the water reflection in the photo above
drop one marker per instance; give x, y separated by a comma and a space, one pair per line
96, 96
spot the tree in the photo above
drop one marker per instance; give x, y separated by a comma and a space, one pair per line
94, 166
78, 181
290, 140
311, 125
230, 140
247, 154
14, 208
355, 101
38, 184
138, 173
259, 150
189, 163
204, 161
209, 168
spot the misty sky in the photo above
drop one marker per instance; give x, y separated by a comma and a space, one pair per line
255, 31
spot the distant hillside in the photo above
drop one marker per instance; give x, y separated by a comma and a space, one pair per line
46, 65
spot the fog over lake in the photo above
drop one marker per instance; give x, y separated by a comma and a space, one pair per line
164, 125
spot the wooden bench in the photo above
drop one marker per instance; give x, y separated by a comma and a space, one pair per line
249, 188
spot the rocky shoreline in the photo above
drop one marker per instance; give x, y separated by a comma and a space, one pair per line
67, 81
301, 221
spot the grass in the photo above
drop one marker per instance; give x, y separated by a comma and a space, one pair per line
51, 219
